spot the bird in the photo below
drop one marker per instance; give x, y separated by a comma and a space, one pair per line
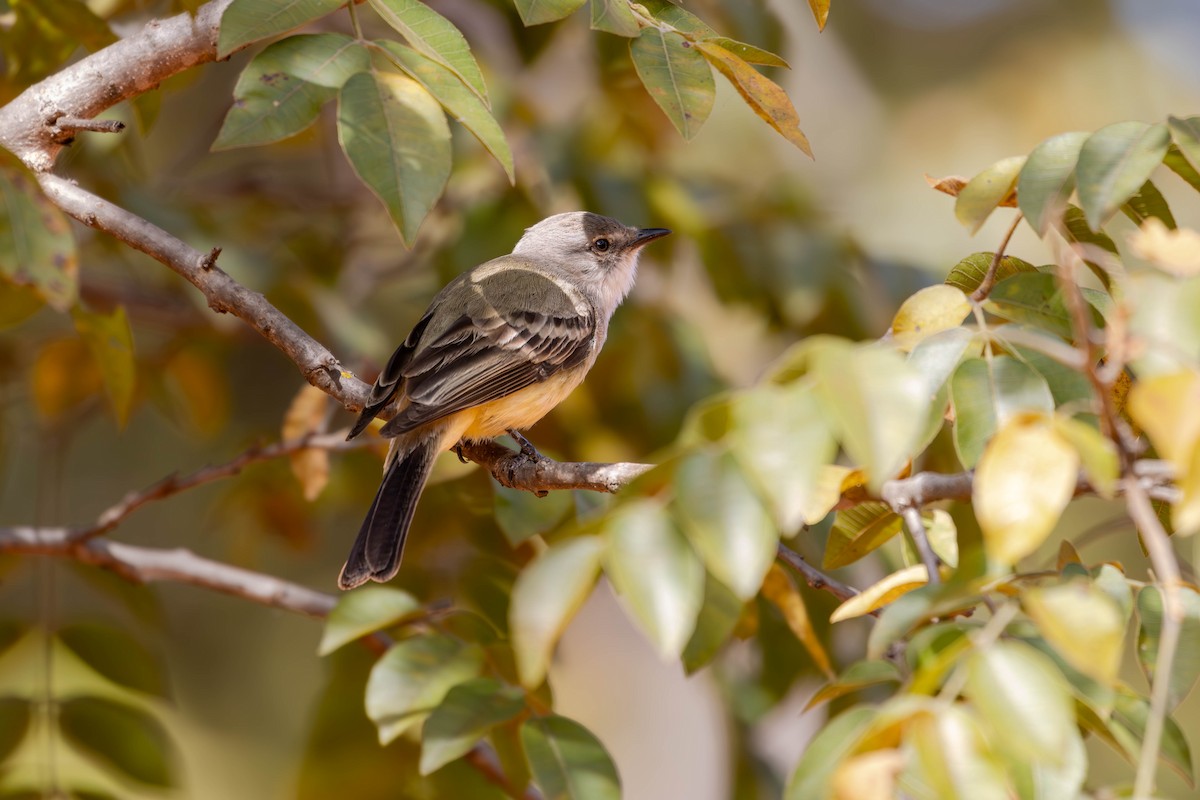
498, 348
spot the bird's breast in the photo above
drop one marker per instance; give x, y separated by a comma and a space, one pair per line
523, 408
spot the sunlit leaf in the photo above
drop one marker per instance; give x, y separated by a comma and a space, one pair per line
413, 676
535, 12
567, 761
1024, 480
614, 16
780, 590
1176, 252
968, 274
676, 76
464, 716
858, 675
987, 190
879, 403
748, 52
1097, 453
126, 738
679, 18
986, 394
1113, 164
36, 246
110, 340
879, 594
820, 10
931, 310
246, 21
858, 531
765, 97
282, 90
1167, 408
835, 741
1048, 178
545, 597
431, 34
1023, 697
725, 520
1082, 623
363, 611
869, 776
396, 137
718, 616
1185, 668
955, 758
656, 573
781, 439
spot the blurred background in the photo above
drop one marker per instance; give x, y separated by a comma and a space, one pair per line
769, 247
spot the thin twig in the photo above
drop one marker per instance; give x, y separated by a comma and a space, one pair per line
1166, 568
814, 577
483, 758
63, 129
989, 278
920, 539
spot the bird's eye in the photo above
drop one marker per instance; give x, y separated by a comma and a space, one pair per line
601, 245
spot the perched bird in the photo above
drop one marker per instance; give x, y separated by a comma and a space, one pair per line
499, 346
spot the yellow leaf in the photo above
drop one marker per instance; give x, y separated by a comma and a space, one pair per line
882, 593
831, 481
197, 390
1024, 480
763, 95
820, 10
1173, 251
1167, 408
951, 184
1096, 451
307, 414
870, 776
64, 375
1185, 512
1067, 554
1082, 624
929, 311
779, 589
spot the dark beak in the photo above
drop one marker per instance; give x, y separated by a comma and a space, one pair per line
647, 235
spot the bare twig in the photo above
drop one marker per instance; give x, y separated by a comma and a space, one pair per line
989, 278
484, 760
174, 484
1166, 569
539, 474
63, 129
815, 577
920, 539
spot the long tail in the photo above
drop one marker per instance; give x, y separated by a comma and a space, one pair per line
376, 552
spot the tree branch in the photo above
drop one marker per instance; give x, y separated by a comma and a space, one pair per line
540, 474
989, 278
814, 577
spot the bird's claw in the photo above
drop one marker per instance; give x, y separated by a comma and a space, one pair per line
527, 448
458, 451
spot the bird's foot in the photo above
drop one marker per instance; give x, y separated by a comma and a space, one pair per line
527, 448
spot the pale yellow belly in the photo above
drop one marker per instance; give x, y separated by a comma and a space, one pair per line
523, 408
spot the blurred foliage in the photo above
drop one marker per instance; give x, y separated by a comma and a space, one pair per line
997, 680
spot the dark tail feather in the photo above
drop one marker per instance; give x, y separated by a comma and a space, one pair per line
380, 543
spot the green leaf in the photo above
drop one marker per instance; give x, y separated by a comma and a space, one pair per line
1066, 385
1185, 669
858, 531
396, 137
1048, 178
1148, 203
765, 97
614, 16
467, 713
15, 716
748, 52
535, 12
1035, 299
954, 756
937, 357
522, 514
246, 21
362, 611
432, 35
979, 198
676, 76
655, 572
1082, 623
1178, 163
813, 774
545, 597
1023, 697
36, 246
1097, 453
985, 397
718, 616
567, 761
1114, 163
282, 90
858, 675
120, 736
110, 341
969, 273
781, 439
1128, 727
413, 677
1186, 135
681, 20
116, 655
878, 402
725, 520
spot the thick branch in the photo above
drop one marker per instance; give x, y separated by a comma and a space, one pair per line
540, 474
